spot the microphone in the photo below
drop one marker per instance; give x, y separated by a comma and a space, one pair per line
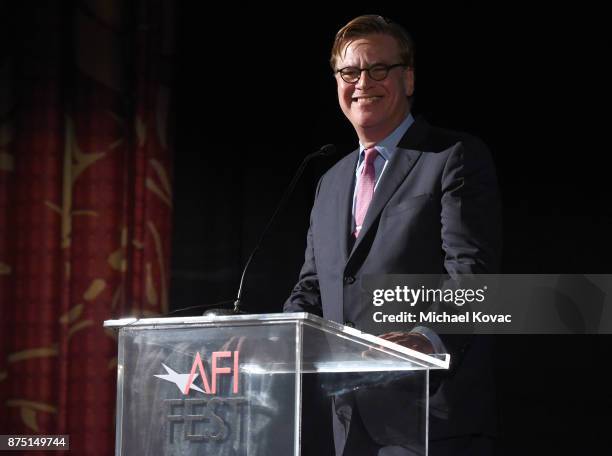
325, 151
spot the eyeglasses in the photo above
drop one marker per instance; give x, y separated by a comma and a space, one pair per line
376, 72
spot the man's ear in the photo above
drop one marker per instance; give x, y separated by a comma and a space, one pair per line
409, 81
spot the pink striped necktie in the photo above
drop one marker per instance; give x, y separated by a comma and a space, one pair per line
365, 190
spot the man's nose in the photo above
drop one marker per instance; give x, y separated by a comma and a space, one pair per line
364, 80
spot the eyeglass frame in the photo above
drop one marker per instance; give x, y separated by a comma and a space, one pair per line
368, 69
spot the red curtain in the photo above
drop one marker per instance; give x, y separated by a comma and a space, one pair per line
85, 205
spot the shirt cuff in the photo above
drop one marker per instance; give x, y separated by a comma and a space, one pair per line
432, 336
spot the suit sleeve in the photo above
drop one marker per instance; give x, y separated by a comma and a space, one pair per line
306, 295
471, 215
471, 224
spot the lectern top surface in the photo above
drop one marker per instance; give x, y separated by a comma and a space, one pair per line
316, 336
221, 319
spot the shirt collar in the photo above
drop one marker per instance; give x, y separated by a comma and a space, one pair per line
387, 146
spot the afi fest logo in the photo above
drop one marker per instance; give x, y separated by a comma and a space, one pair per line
185, 382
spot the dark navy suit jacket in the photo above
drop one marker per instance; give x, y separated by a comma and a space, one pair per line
435, 210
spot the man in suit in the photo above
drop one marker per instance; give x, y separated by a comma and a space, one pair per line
412, 199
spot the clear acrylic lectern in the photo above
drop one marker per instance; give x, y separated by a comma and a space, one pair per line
232, 385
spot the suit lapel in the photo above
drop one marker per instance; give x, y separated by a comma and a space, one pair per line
397, 169
346, 182
395, 173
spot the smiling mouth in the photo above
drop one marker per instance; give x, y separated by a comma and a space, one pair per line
366, 100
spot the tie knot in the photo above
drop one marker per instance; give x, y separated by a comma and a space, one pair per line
370, 155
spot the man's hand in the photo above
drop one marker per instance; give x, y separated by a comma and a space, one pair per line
415, 341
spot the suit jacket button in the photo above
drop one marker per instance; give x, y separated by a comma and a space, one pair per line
349, 279
350, 324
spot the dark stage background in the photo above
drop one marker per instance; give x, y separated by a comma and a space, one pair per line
255, 94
